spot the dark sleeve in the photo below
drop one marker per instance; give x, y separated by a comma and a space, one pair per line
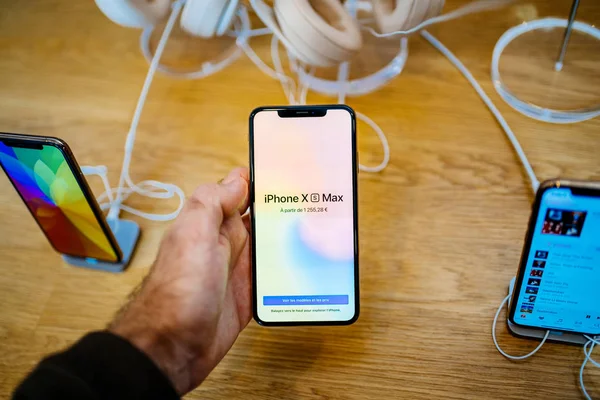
99, 366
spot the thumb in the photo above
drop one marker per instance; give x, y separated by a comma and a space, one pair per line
234, 194
238, 174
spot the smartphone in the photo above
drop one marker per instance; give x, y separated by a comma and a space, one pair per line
45, 174
558, 283
303, 173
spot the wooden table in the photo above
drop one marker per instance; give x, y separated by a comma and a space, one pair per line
441, 228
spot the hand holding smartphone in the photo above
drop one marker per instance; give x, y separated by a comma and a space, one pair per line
303, 173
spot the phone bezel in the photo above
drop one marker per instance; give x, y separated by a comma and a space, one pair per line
587, 188
79, 177
317, 109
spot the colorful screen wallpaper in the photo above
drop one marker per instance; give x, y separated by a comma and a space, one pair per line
304, 217
52, 194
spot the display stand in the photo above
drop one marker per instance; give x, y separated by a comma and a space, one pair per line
539, 333
127, 234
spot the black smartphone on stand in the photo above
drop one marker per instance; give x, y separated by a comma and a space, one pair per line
303, 173
558, 283
44, 172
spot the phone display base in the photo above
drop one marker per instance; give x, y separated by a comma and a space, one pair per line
127, 234
530, 333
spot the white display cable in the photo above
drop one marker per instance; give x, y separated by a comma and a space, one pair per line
529, 109
488, 102
148, 188
288, 84
588, 347
511, 357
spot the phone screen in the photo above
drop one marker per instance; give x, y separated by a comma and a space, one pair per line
559, 288
304, 217
49, 188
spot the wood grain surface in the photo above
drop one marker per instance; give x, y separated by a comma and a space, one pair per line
441, 228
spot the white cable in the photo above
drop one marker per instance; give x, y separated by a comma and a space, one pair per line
145, 186
157, 190
476, 6
342, 76
384, 145
588, 348
257, 32
596, 343
595, 339
288, 84
528, 109
305, 86
101, 171
588, 357
496, 341
509, 133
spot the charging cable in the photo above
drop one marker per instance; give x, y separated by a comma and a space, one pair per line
102, 172
505, 301
588, 347
490, 104
112, 199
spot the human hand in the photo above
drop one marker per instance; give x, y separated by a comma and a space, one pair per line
196, 299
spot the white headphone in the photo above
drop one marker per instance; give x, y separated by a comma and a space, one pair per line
320, 33
203, 18
323, 33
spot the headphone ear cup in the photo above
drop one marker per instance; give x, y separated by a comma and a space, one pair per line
134, 13
419, 12
437, 6
202, 17
270, 18
402, 15
391, 15
296, 45
424, 10
321, 32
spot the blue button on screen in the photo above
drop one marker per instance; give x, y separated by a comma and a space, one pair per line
305, 300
